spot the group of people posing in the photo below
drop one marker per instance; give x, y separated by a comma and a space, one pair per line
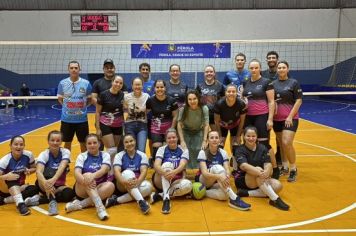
186, 128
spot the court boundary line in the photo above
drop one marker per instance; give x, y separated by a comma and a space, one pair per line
328, 149
344, 131
268, 229
31, 131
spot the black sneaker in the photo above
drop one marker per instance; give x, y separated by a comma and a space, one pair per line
284, 171
2, 202
276, 173
144, 206
166, 208
155, 197
111, 201
239, 204
242, 192
279, 204
292, 176
23, 209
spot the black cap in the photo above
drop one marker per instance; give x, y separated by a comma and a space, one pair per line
109, 61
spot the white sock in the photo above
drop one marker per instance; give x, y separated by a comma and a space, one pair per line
97, 201
9, 199
124, 198
231, 193
136, 194
268, 190
285, 164
165, 186
18, 199
256, 193
87, 202
293, 166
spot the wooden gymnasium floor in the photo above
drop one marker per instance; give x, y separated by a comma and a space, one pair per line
323, 200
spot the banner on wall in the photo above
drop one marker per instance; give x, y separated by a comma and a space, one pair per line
184, 50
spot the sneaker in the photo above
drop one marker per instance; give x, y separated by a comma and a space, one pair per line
284, 171
111, 201
155, 197
2, 202
73, 206
242, 192
166, 208
279, 204
102, 214
23, 209
32, 201
239, 204
144, 206
292, 176
52, 208
276, 173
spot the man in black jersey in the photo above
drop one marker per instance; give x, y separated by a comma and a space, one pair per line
272, 59
271, 73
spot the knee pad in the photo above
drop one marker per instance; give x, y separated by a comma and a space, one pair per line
145, 188
167, 166
112, 151
66, 195
30, 191
182, 188
217, 169
128, 174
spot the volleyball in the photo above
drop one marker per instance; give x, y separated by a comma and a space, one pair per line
198, 190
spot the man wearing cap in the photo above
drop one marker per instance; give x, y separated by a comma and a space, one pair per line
104, 83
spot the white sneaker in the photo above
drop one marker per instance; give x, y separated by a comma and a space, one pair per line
52, 208
32, 201
102, 214
73, 206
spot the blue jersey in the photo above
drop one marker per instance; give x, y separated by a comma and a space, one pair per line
236, 78
91, 164
125, 162
148, 87
74, 107
47, 159
9, 164
173, 156
218, 159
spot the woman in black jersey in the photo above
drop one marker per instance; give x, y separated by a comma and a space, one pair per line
175, 87
254, 169
259, 93
229, 115
288, 96
109, 115
164, 111
211, 90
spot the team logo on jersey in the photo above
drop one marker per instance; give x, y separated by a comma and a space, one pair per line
81, 90
259, 86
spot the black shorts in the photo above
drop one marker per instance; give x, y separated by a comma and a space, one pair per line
240, 183
233, 132
211, 118
11, 183
43, 192
81, 130
260, 122
4, 195
157, 138
279, 126
105, 130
